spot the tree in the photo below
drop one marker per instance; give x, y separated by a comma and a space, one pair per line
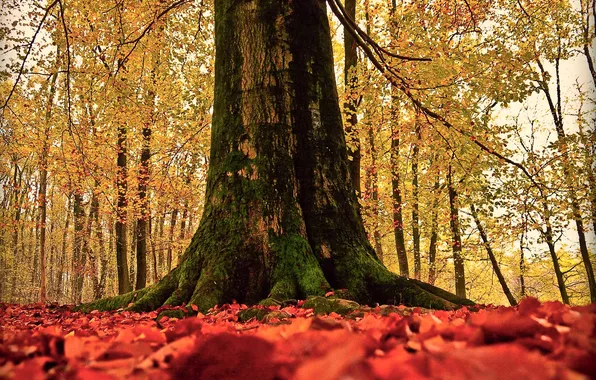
280, 219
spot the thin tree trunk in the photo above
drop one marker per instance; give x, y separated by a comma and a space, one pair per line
124, 284
415, 211
458, 260
173, 220
492, 257
434, 233
372, 192
78, 261
522, 266
351, 103
557, 115
160, 232
398, 224
550, 242
63, 254
19, 197
142, 221
43, 181
183, 221
153, 250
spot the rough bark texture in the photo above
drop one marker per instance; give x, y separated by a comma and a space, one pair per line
280, 218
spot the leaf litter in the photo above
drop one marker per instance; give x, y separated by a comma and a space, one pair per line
532, 341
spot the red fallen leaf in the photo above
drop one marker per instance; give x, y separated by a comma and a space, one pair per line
528, 306
329, 294
148, 334
125, 336
226, 356
503, 361
90, 374
161, 357
194, 307
184, 327
119, 368
32, 368
399, 364
337, 363
506, 325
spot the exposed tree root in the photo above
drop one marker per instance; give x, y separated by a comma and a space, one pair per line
372, 283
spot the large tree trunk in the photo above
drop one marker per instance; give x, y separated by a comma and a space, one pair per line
281, 218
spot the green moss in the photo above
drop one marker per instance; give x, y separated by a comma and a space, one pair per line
252, 312
113, 303
322, 305
296, 270
269, 301
277, 314
176, 313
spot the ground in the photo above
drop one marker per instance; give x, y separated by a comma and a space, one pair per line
320, 338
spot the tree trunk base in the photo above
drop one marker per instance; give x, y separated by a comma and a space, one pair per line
371, 283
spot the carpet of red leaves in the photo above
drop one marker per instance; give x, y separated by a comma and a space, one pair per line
532, 341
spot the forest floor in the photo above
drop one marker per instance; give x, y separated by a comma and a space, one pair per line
532, 341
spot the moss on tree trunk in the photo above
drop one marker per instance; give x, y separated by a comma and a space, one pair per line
280, 219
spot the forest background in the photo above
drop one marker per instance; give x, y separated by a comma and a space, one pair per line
105, 130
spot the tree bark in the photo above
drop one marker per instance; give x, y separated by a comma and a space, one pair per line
124, 284
491, 256
434, 233
415, 202
43, 181
372, 192
398, 221
458, 260
281, 219
350, 105
78, 250
550, 242
173, 220
63, 253
557, 116
142, 221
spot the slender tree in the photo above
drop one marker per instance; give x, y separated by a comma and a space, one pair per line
458, 259
351, 103
492, 257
